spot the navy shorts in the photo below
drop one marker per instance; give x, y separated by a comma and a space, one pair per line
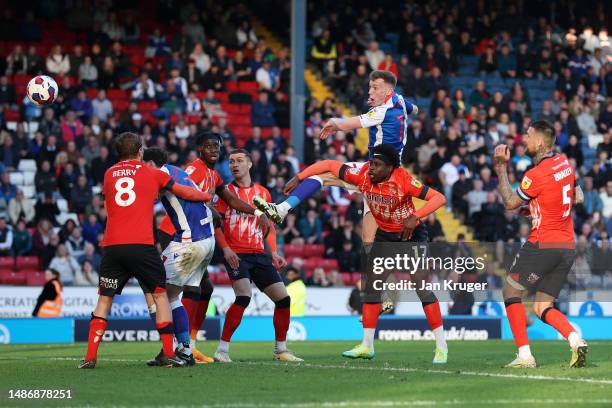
257, 268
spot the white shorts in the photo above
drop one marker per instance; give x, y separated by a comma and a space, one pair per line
353, 188
186, 262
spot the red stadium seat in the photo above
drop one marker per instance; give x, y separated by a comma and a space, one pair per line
91, 93
12, 278
239, 120
232, 86
114, 93
35, 278
248, 86
120, 105
311, 263
7, 263
329, 264
313, 250
223, 97
232, 108
293, 250
147, 106
12, 116
245, 109
347, 278
28, 262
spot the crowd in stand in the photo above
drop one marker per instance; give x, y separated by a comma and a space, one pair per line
450, 143
173, 84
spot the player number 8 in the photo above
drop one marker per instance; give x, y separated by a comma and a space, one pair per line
125, 185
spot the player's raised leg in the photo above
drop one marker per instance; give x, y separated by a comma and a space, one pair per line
543, 307
233, 317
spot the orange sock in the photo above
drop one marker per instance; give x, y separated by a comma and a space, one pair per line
518, 321
557, 320
97, 326
370, 313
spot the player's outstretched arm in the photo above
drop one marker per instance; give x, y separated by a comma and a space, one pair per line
509, 197
433, 200
189, 193
335, 124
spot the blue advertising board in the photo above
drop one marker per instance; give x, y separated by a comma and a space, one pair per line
301, 328
36, 330
391, 328
590, 328
141, 330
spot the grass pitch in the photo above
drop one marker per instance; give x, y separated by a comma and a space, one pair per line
400, 375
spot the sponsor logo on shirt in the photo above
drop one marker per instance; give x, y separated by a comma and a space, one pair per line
416, 183
526, 183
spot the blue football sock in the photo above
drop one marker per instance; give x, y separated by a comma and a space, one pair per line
304, 191
153, 314
180, 322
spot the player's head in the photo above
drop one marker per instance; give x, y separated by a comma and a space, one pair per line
382, 84
240, 163
129, 146
155, 157
209, 147
384, 160
540, 137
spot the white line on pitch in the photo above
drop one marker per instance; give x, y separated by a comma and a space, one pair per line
437, 371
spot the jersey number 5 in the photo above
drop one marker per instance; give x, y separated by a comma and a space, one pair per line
567, 200
125, 187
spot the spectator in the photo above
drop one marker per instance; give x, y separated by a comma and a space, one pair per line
92, 229
157, 45
102, 108
194, 30
72, 127
65, 264
6, 238
606, 199
8, 191
506, 62
592, 200
16, 61
58, 63
449, 174
22, 241
297, 292
76, 59
374, 55
34, 61
90, 255
348, 258
323, 51
87, 275
355, 302
131, 30
245, 33
113, 29
479, 97
48, 125
100, 164
82, 106
266, 77
88, 73
75, 243
47, 209
144, 88
8, 97
192, 74
21, 208
107, 76
311, 228
488, 62
80, 195
262, 112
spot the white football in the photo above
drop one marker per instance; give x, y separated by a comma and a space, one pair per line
42, 90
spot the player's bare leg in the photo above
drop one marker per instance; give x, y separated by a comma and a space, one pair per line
277, 292
513, 294
304, 190
543, 307
233, 317
97, 326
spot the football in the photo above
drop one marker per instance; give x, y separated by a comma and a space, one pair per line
42, 90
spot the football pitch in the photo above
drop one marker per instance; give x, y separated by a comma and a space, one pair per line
400, 375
